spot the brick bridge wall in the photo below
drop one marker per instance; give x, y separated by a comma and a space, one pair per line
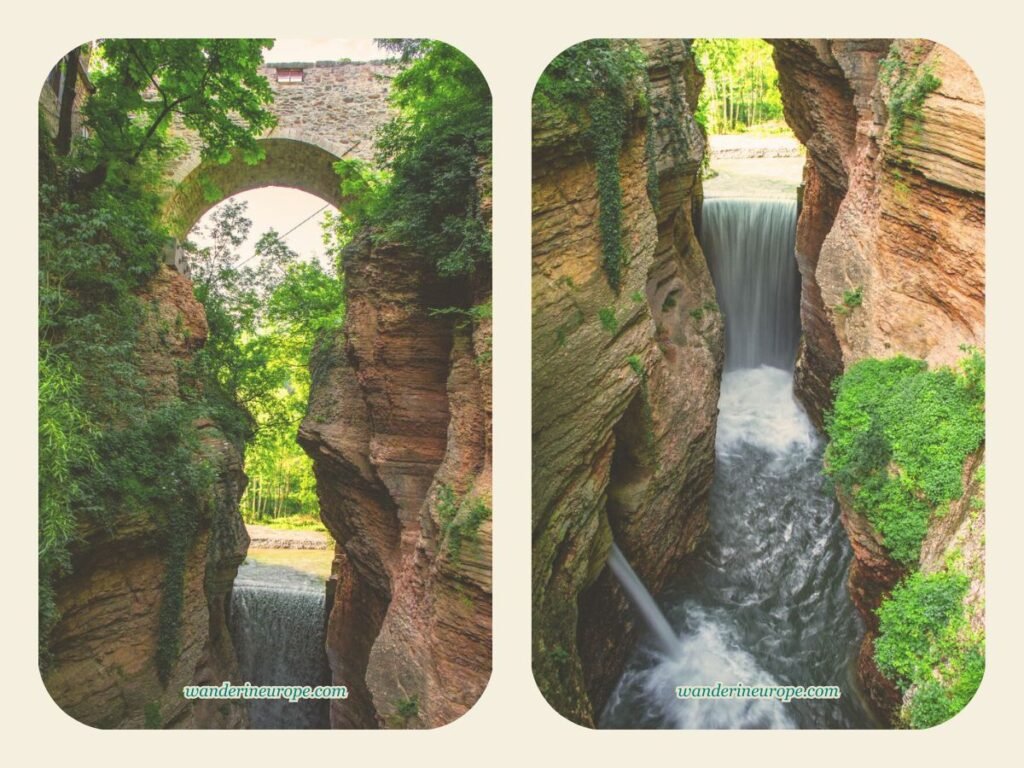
334, 111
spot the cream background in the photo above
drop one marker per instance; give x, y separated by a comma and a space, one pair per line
512, 43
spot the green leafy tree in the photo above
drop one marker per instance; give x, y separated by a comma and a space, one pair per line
212, 86
436, 152
741, 85
265, 311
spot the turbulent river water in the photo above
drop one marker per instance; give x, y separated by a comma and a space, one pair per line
765, 599
277, 623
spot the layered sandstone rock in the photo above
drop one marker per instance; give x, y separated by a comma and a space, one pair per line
901, 219
897, 218
103, 650
400, 415
623, 410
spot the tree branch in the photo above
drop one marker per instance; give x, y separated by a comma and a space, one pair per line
69, 88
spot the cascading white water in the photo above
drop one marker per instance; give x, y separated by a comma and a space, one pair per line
277, 624
642, 601
750, 247
766, 601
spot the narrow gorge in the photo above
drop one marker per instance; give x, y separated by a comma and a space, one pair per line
163, 361
786, 540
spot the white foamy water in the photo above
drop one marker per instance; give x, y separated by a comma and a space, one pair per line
757, 408
708, 654
277, 624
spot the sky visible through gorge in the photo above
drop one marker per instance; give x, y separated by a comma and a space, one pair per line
280, 208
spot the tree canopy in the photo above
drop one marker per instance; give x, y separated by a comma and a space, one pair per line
265, 311
433, 161
741, 85
212, 86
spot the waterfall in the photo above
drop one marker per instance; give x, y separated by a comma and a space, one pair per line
750, 247
277, 623
765, 600
642, 601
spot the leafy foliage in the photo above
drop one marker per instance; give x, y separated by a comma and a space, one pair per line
908, 85
109, 451
408, 707
212, 86
436, 155
925, 643
636, 363
264, 319
460, 517
597, 83
851, 300
608, 319
912, 622
362, 188
899, 436
741, 85
67, 450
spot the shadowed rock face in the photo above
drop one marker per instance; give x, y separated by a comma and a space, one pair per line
399, 406
617, 454
103, 670
901, 219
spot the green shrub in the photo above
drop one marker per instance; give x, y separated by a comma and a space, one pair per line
697, 313
608, 320
460, 517
913, 623
899, 436
909, 85
637, 364
408, 707
442, 120
925, 645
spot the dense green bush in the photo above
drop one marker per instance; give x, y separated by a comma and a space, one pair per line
899, 436
913, 622
925, 643
436, 154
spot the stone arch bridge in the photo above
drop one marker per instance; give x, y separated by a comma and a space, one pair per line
325, 110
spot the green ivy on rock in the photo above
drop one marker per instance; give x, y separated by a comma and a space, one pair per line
597, 84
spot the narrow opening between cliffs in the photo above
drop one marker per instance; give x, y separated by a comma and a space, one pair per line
764, 599
264, 264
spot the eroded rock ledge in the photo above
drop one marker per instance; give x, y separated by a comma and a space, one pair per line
624, 412
400, 414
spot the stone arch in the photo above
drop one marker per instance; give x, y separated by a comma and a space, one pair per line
333, 111
290, 161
